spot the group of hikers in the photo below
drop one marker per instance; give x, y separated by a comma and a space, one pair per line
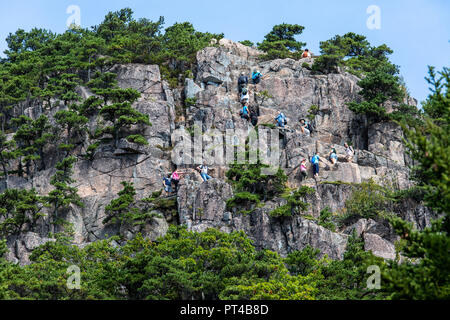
174, 178
249, 113
332, 157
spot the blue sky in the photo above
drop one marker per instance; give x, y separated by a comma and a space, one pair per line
417, 30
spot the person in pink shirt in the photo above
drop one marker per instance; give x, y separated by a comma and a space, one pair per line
303, 169
176, 175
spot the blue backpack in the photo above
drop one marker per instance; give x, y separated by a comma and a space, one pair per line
245, 110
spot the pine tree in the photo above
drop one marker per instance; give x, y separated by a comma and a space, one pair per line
32, 136
121, 113
280, 43
19, 208
74, 124
426, 275
63, 195
8, 152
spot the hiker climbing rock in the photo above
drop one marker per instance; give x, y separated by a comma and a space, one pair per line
203, 169
242, 82
281, 120
333, 155
244, 112
315, 162
303, 170
167, 184
175, 177
245, 96
256, 77
349, 152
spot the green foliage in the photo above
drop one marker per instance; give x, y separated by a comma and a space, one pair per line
63, 195
368, 200
425, 274
90, 151
121, 113
19, 211
248, 178
312, 112
280, 43
344, 279
247, 43
354, 53
126, 211
244, 200
326, 219
74, 124
379, 86
295, 203
262, 96
31, 137
8, 152
190, 102
138, 139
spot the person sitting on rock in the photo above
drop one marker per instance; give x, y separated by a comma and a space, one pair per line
244, 112
315, 162
204, 171
304, 127
281, 120
256, 77
349, 152
306, 54
303, 170
333, 156
167, 183
245, 96
242, 82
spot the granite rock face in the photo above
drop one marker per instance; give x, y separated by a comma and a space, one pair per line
287, 86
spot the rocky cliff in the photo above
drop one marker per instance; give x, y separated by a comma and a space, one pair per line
293, 90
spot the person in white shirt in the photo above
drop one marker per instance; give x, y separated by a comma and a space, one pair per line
204, 171
349, 152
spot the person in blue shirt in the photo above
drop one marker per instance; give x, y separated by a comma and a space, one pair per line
256, 77
315, 162
167, 183
281, 120
245, 113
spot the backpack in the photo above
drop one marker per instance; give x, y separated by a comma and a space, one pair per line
244, 110
244, 91
242, 80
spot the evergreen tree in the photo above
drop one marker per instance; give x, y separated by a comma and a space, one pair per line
74, 124
425, 275
280, 43
121, 113
32, 136
19, 208
8, 152
63, 195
